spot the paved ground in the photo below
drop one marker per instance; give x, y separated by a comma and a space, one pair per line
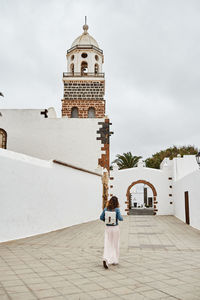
160, 259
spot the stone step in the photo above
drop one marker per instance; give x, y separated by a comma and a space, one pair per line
140, 211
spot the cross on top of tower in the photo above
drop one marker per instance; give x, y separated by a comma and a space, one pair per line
85, 26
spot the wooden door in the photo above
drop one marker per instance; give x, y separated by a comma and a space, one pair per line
145, 196
187, 211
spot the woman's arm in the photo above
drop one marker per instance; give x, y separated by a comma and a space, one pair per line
119, 216
102, 216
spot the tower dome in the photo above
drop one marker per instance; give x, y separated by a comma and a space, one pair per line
85, 57
85, 38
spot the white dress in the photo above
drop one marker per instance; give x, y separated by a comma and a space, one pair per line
111, 244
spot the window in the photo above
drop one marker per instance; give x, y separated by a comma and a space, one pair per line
72, 57
96, 68
91, 112
3, 138
84, 67
72, 68
74, 112
96, 57
84, 55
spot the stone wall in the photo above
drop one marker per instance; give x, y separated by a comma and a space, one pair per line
84, 90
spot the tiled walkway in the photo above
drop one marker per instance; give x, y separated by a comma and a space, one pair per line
160, 259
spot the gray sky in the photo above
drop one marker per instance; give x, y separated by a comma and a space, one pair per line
152, 64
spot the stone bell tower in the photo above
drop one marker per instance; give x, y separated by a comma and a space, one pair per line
84, 83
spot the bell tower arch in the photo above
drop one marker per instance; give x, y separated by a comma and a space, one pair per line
84, 82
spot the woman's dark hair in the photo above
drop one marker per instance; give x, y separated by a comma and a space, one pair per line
113, 203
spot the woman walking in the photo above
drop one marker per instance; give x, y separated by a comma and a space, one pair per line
110, 215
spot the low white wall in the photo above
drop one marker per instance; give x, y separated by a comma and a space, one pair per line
190, 183
38, 196
70, 140
159, 179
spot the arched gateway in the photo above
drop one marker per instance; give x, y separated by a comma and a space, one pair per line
153, 190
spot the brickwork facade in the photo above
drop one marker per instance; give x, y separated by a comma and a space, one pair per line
83, 107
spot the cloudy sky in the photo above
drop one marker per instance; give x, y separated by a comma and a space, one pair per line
152, 64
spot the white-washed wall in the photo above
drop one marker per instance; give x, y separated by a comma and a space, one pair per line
70, 140
159, 179
190, 183
183, 166
37, 196
90, 60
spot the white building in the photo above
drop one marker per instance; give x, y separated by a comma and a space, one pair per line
175, 187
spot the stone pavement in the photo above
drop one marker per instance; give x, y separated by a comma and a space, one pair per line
160, 259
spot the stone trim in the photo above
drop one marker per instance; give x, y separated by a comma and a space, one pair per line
74, 167
153, 190
104, 131
84, 47
105, 180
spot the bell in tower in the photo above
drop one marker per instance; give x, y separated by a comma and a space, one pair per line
84, 83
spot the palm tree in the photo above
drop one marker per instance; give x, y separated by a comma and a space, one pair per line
126, 160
